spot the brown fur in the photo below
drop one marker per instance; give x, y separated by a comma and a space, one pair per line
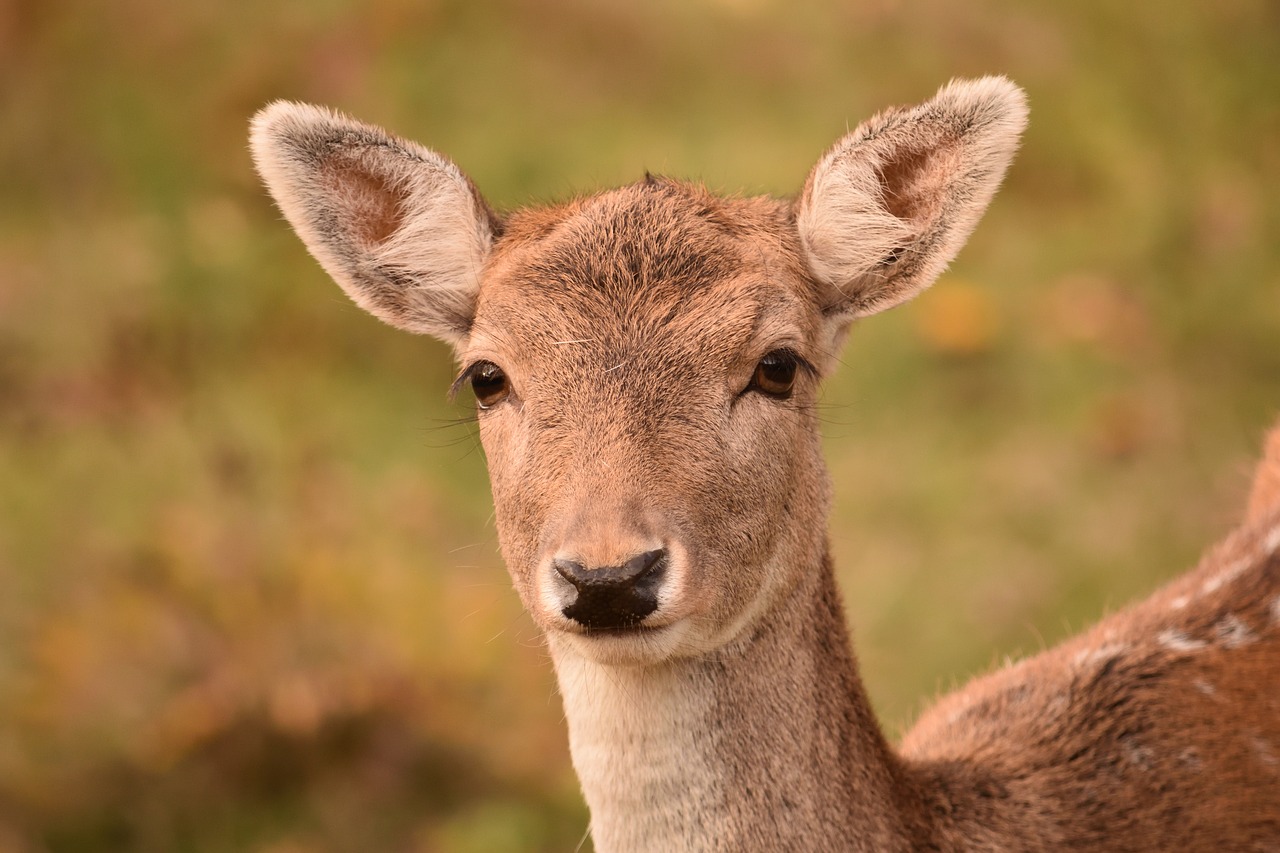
629, 326
1265, 495
1158, 729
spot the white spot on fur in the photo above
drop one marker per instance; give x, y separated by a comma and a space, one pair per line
1225, 576
963, 711
1262, 749
1179, 602
1232, 632
1271, 544
1100, 654
1018, 695
1204, 687
1058, 705
1179, 642
1190, 758
1137, 754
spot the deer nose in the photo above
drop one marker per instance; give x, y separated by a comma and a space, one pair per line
613, 596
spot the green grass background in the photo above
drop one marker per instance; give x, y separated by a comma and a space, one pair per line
250, 596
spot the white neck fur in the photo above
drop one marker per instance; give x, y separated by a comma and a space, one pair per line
765, 745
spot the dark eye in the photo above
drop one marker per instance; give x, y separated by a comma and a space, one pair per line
775, 374
489, 384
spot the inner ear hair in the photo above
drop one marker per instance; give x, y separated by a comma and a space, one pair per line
376, 205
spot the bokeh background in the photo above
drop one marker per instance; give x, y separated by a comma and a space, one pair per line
250, 595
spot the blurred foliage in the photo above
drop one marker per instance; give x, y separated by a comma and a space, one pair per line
252, 597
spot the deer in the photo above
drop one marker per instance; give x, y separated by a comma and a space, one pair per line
645, 363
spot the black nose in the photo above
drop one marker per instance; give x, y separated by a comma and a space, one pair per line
614, 596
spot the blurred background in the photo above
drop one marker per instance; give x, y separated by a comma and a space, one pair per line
250, 594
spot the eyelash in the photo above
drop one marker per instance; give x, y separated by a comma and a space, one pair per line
488, 381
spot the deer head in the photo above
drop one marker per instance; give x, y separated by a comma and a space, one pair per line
645, 361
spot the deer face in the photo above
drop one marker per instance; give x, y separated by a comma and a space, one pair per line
645, 361
645, 374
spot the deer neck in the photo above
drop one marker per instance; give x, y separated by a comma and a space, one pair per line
769, 744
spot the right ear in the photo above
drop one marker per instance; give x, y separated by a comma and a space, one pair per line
399, 227
890, 205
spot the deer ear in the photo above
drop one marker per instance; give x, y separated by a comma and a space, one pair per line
399, 227
890, 205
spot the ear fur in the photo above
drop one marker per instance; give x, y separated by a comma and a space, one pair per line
890, 205
399, 227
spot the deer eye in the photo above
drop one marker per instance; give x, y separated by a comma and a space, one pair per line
489, 384
776, 373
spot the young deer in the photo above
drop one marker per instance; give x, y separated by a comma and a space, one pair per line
645, 363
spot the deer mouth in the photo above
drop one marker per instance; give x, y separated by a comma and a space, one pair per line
635, 645
625, 631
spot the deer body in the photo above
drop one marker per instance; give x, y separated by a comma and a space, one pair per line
645, 363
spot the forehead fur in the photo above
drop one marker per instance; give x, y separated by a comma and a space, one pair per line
656, 240
656, 255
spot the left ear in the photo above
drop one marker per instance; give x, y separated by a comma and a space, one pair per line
398, 226
890, 205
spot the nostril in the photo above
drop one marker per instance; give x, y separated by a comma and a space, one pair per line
642, 564
629, 573
572, 571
